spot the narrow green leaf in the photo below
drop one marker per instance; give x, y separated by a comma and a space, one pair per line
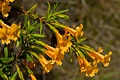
32, 8
81, 39
21, 38
63, 16
71, 54
28, 71
6, 51
59, 12
88, 48
28, 25
55, 7
19, 72
39, 49
25, 20
38, 35
34, 54
29, 57
18, 43
6, 60
3, 75
35, 16
83, 51
49, 8
40, 27
14, 76
63, 11
40, 43
34, 23
33, 28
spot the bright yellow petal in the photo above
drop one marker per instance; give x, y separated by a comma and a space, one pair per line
33, 77
107, 59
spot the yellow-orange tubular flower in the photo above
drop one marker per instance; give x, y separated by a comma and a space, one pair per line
57, 55
4, 8
63, 44
4, 35
107, 59
8, 33
76, 33
99, 57
14, 32
63, 41
9, 0
33, 77
85, 66
46, 64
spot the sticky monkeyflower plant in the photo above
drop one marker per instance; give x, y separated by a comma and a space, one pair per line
27, 36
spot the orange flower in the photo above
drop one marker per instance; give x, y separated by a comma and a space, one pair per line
46, 64
8, 33
96, 56
63, 41
107, 59
76, 33
99, 57
4, 8
59, 37
86, 67
14, 32
56, 55
9, 0
32, 77
4, 35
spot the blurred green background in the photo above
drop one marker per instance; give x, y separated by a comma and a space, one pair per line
101, 21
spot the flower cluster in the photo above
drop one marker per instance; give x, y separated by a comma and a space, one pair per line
8, 33
29, 40
5, 8
64, 42
56, 54
91, 67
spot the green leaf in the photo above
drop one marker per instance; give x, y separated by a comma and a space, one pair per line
34, 54
81, 39
6, 60
40, 43
21, 39
32, 8
35, 48
55, 7
6, 51
29, 57
40, 27
83, 51
3, 75
25, 20
71, 54
88, 48
27, 69
28, 25
17, 43
19, 72
33, 28
63, 11
49, 8
38, 35
35, 16
14, 76
63, 16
